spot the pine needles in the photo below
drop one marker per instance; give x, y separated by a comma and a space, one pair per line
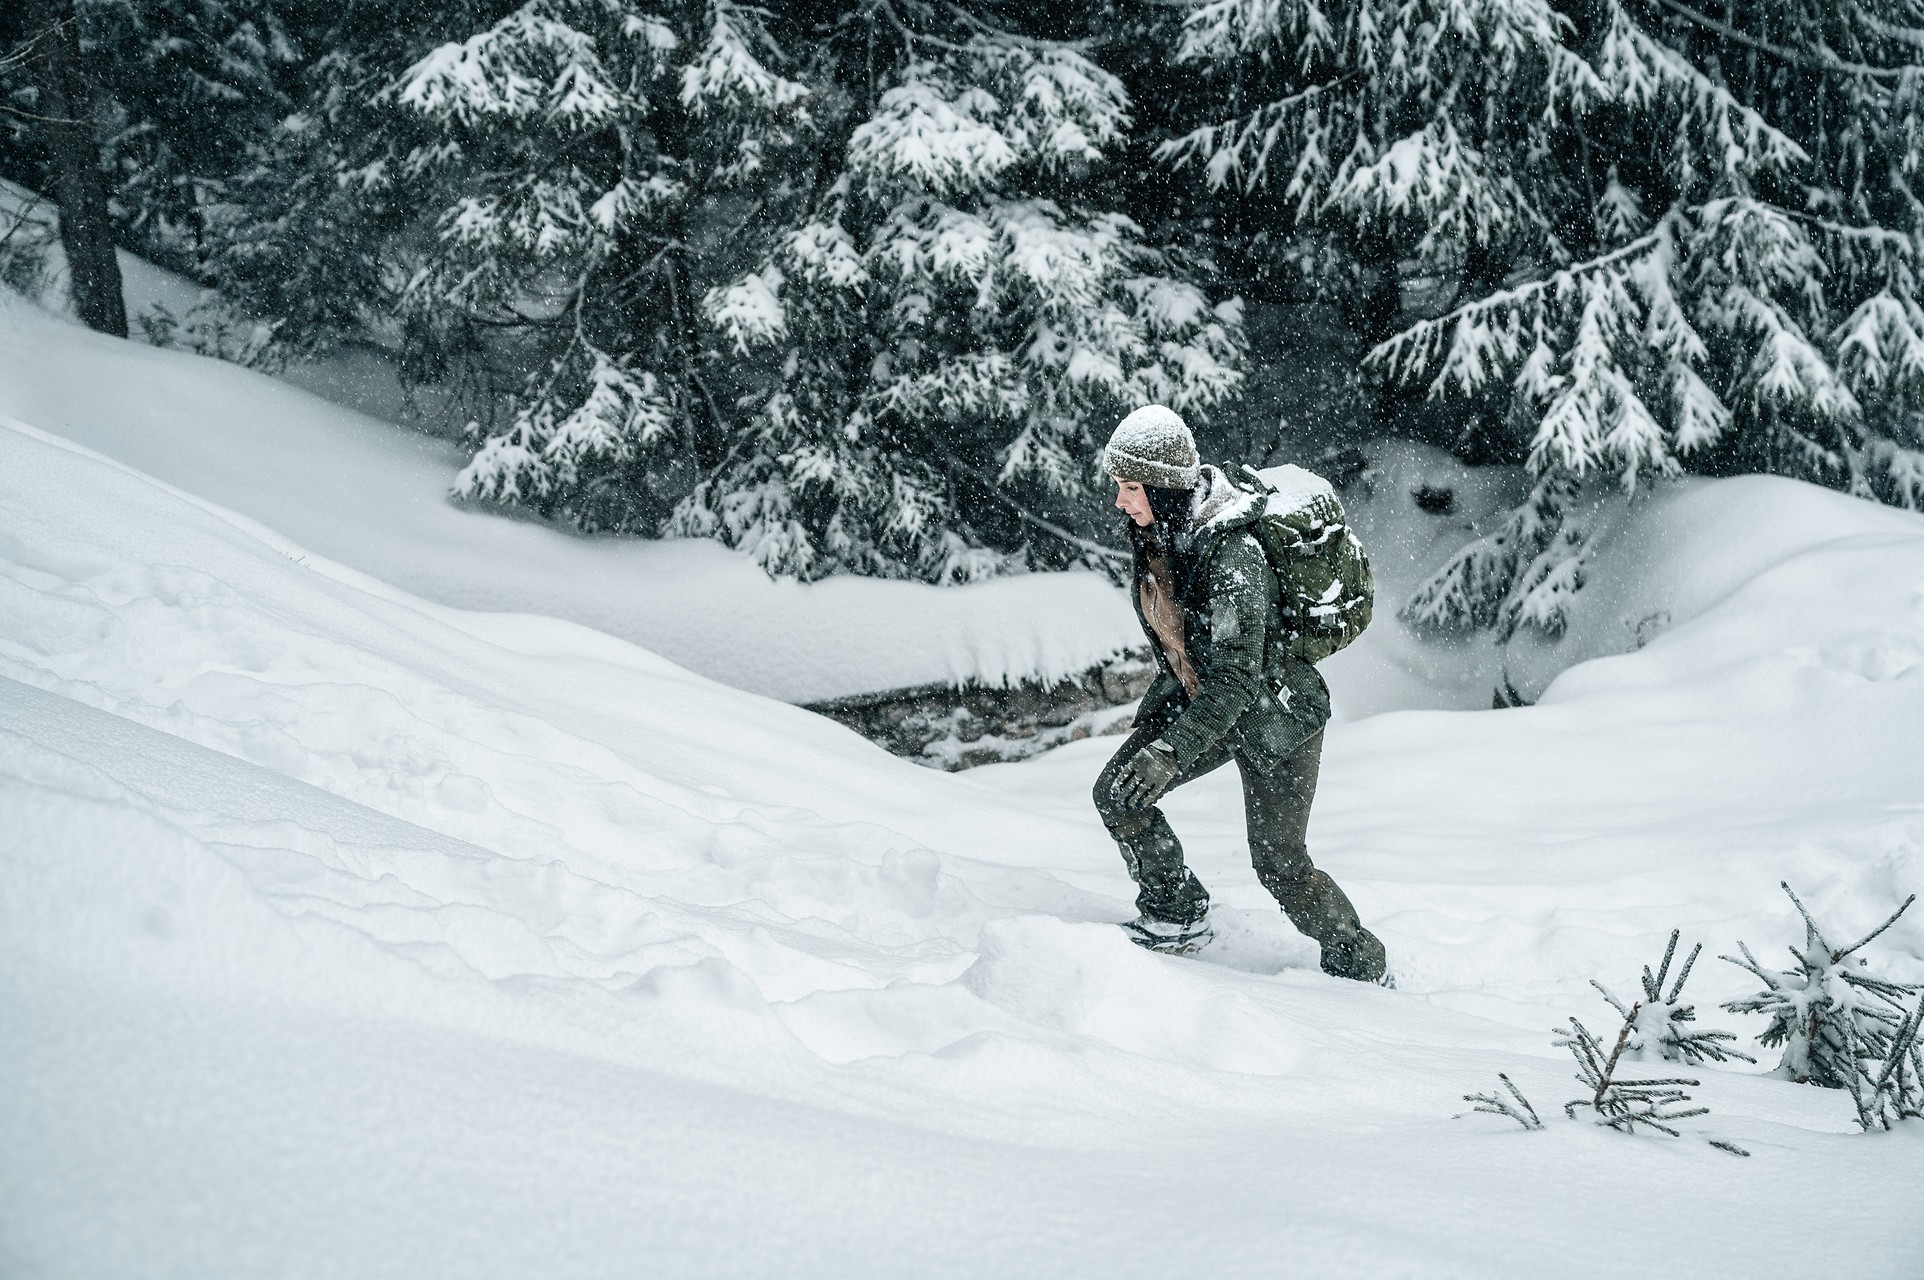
1655, 1024
1515, 1106
1841, 1028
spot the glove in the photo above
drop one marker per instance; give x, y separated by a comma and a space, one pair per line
1149, 773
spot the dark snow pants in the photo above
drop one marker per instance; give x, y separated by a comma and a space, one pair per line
1276, 807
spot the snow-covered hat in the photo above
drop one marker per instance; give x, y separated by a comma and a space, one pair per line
1153, 446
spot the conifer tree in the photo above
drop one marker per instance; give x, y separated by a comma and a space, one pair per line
587, 144
321, 226
174, 92
957, 321
63, 120
1744, 291
192, 84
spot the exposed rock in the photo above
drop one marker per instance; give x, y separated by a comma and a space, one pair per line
959, 727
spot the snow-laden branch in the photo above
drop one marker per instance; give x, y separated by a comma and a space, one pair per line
1021, 512
1828, 62
1239, 149
1407, 353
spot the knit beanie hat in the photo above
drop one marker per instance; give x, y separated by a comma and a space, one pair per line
1152, 446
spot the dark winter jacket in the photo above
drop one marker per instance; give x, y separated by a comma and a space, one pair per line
1255, 697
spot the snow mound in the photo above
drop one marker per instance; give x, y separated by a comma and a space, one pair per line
374, 496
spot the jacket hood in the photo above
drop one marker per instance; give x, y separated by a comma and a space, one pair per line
1219, 508
1220, 503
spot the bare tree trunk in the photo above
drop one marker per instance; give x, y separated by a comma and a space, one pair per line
79, 184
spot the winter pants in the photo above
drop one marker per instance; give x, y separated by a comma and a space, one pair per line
1277, 810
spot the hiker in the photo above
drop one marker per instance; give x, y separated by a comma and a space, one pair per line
1228, 687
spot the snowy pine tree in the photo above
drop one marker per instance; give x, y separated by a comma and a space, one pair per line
194, 82
1746, 290
955, 323
180, 89
589, 142
1831, 1017
1661, 1025
53, 140
322, 222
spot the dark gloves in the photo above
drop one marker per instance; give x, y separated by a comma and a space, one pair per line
1149, 773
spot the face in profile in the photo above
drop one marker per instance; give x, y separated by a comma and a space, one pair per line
1133, 502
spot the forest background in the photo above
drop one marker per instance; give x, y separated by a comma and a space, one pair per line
861, 285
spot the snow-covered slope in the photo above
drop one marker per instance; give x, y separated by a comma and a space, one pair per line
353, 934
373, 496
1652, 563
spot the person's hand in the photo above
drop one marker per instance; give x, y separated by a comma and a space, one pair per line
1149, 773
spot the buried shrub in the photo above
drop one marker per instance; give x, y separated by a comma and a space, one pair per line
1657, 1024
1660, 1025
1831, 1017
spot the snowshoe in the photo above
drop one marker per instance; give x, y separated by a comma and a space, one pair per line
1167, 937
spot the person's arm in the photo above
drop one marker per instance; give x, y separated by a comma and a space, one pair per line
1232, 671
1156, 702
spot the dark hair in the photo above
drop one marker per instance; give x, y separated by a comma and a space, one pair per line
1172, 508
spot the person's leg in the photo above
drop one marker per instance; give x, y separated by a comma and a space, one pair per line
1277, 807
1167, 889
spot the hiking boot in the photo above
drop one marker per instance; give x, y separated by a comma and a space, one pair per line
1168, 937
1357, 955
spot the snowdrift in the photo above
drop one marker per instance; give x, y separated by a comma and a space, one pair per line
371, 495
353, 934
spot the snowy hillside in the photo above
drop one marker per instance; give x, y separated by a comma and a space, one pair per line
368, 495
374, 497
358, 935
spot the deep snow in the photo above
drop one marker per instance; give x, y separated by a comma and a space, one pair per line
360, 491
354, 488
353, 934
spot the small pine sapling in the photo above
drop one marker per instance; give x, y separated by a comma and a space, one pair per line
1829, 1015
1516, 1106
1624, 1104
1659, 1024
1896, 1091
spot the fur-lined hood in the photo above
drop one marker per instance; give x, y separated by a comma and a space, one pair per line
1219, 505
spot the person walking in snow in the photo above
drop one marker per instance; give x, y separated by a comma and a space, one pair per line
1227, 688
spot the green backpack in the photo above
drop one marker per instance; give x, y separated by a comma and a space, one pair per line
1327, 589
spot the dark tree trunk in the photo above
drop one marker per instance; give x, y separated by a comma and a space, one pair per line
79, 184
